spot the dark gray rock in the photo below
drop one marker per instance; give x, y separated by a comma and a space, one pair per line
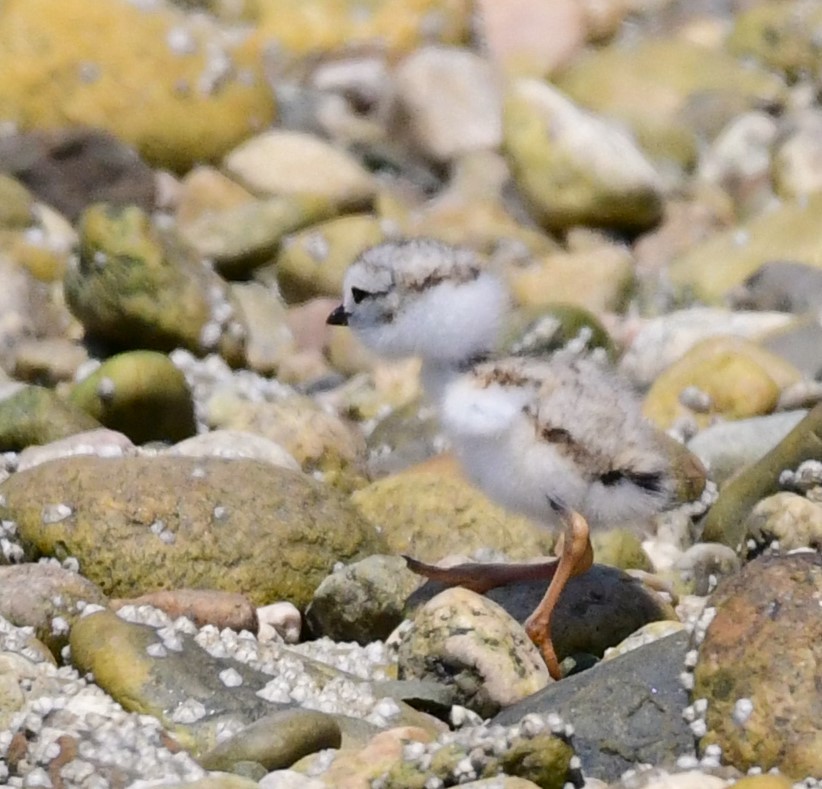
624, 711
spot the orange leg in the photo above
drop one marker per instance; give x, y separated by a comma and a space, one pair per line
576, 558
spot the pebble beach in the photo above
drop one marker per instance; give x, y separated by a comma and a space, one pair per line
206, 491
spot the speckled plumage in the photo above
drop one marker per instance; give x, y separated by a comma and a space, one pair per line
537, 435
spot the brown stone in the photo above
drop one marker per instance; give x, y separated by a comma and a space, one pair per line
202, 606
758, 666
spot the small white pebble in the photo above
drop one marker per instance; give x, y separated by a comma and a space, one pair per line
713, 751
743, 710
231, 678
156, 650
699, 728
59, 626
279, 621
106, 388
189, 711
55, 513
687, 762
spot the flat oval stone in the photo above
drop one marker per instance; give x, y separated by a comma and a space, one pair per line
138, 524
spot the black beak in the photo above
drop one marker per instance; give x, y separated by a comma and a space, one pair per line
338, 318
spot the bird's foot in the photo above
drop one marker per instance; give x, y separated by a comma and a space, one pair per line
539, 635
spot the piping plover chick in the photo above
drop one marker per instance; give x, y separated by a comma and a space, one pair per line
561, 440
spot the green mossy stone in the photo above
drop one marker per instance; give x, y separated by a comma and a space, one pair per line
727, 518
134, 288
139, 393
16, 204
36, 415
782, 36
313, 261
140, 524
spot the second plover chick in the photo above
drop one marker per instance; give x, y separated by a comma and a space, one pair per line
561, 440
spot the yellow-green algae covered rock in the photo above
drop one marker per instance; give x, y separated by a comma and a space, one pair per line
574, 167
740, 379
708, 271
783, 36
168, 84
430, 511
181, 686
313, 261
36, 415
133, 287
316, 26
141, 524
141, 394
727, 519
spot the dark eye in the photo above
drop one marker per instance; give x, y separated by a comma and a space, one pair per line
358, 294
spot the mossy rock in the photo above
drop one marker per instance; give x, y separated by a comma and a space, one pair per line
141, 524
133, 288
36, 415
141, 394
142, 73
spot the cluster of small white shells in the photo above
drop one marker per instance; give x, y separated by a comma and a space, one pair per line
210, 374
9, 543
70, 563
807, 476
292, 680
480, 745
221, 320
58, 702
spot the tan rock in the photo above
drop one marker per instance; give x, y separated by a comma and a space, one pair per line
355, 769
317, 440
241, 238
203, 190
514, 34
491, 661
763, 782
451, 101
599, 280
289, 163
